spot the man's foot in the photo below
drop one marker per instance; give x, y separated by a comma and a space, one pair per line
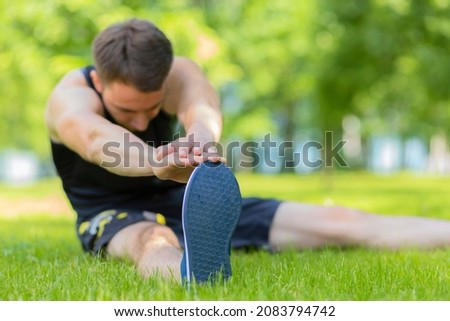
211, 209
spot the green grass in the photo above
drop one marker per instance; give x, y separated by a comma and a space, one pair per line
40, 257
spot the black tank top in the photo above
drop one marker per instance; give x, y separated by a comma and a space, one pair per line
91, 189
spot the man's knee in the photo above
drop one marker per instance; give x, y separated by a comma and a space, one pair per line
346, 226
341, 214
137, 238
158, 234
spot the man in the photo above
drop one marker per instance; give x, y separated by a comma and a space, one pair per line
110, 126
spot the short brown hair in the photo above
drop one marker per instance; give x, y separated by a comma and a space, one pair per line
134, 52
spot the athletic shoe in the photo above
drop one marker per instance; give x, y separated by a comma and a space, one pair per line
211, 209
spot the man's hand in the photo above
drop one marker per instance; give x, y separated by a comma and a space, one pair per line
189, 147
178, 159
176, 168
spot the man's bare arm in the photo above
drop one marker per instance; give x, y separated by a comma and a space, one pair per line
73, 116
194, 100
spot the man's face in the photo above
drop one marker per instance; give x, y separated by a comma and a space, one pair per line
130, 107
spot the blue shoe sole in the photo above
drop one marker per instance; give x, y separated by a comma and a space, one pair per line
211, 209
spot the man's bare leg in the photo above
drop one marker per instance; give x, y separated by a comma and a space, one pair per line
304, 226
153, 248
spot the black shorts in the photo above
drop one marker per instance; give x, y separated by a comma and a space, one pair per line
252, 229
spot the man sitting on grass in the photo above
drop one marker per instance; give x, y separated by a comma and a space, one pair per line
110, 126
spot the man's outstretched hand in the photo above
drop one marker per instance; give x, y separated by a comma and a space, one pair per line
178, 159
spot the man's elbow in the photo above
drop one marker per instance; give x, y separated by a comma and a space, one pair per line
96, 151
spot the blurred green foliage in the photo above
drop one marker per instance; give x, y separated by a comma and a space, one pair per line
280, 66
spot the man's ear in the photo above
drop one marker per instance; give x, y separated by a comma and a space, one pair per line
96, 80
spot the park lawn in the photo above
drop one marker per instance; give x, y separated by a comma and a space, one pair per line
40, 257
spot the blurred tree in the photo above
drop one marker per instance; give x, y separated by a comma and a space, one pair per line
388, 64
309, 64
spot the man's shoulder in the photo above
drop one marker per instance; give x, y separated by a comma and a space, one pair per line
71, 96
74, 77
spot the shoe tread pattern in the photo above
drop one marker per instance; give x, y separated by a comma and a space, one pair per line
212, 208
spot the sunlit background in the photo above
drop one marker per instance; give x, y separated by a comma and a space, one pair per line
375, 73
